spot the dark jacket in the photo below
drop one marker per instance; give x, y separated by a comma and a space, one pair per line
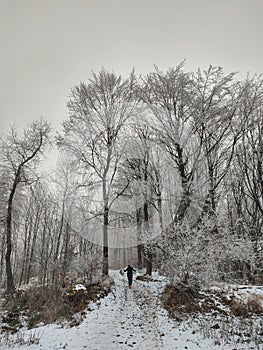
129, 270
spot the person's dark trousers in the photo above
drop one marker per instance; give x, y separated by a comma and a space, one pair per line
130, 281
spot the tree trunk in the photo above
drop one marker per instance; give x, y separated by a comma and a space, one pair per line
139, 232
10, 287
24, 262
149, 261
2, 258
148, 249
66, 255
27, 248
55, 273
160, 211
105, 263
186, 185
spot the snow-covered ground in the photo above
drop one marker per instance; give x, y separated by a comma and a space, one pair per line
132, 318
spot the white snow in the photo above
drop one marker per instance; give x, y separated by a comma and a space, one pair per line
79, 287
131, 319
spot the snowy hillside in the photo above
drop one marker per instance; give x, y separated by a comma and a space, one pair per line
134, 318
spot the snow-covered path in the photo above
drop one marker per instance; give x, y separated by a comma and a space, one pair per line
132, 322
127, 319
124, 319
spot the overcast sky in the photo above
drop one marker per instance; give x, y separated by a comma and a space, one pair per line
48, 46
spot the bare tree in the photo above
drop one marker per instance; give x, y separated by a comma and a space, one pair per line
247, 169
138, 167
215, 101
98, 112
140, 181
3, 208
167, 97
20, 155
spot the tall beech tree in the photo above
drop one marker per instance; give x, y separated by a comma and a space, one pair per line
98, 111
167, 96
215, 99
247, 168
20, 155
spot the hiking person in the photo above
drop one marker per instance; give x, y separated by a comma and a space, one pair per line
129, 271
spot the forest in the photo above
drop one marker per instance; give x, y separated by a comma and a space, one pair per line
162, 170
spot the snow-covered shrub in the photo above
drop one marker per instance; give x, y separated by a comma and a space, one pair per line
87, 268
204, 254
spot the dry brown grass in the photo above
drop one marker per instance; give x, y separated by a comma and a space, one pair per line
239, 308
254, 306
178, 298
48, 304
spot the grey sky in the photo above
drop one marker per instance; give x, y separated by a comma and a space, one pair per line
48, 46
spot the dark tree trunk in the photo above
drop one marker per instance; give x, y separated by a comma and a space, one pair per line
2, 259
55, 274
148, 249
160, 211
186, 181
149, 259
32, 250
139, 232
105, 263
10, 287
66, 254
